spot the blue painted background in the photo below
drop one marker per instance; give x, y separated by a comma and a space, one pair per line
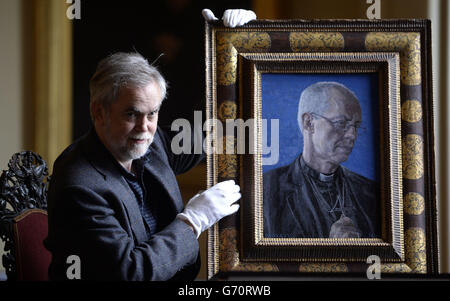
280, 97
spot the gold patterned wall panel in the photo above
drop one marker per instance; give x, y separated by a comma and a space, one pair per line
52, 78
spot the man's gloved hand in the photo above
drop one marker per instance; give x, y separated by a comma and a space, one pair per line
208, 207
231, 17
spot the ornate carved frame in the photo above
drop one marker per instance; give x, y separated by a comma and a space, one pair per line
23, 189
400, 52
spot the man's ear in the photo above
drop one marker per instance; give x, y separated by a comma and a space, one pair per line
307, 122
98, 112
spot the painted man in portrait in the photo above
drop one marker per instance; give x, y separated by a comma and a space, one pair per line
315, 196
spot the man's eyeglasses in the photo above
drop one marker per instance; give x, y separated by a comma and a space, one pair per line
342, 125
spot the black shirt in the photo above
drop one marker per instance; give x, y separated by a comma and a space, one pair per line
137, 181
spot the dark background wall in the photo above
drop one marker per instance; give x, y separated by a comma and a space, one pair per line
172, 27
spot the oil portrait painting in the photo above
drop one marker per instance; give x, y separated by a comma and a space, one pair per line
325, 181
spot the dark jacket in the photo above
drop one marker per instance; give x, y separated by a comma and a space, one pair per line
290, 210
93, 214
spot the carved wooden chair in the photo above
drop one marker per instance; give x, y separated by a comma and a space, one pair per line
23, 217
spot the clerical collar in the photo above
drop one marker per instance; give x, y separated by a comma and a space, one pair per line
315, 174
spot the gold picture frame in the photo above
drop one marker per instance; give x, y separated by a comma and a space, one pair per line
398, 53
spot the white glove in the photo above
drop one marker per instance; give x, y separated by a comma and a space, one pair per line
231, 17
208, 207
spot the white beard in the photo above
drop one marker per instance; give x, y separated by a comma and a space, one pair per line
136, 151
126, 151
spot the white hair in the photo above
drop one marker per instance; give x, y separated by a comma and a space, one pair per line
315, 98
121, 70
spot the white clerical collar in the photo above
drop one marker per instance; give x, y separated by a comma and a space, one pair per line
326, 178
315, 174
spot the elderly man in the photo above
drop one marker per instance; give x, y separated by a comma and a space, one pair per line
114, 202
314, 196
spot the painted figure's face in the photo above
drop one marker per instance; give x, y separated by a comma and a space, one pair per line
335, 130
130, 124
